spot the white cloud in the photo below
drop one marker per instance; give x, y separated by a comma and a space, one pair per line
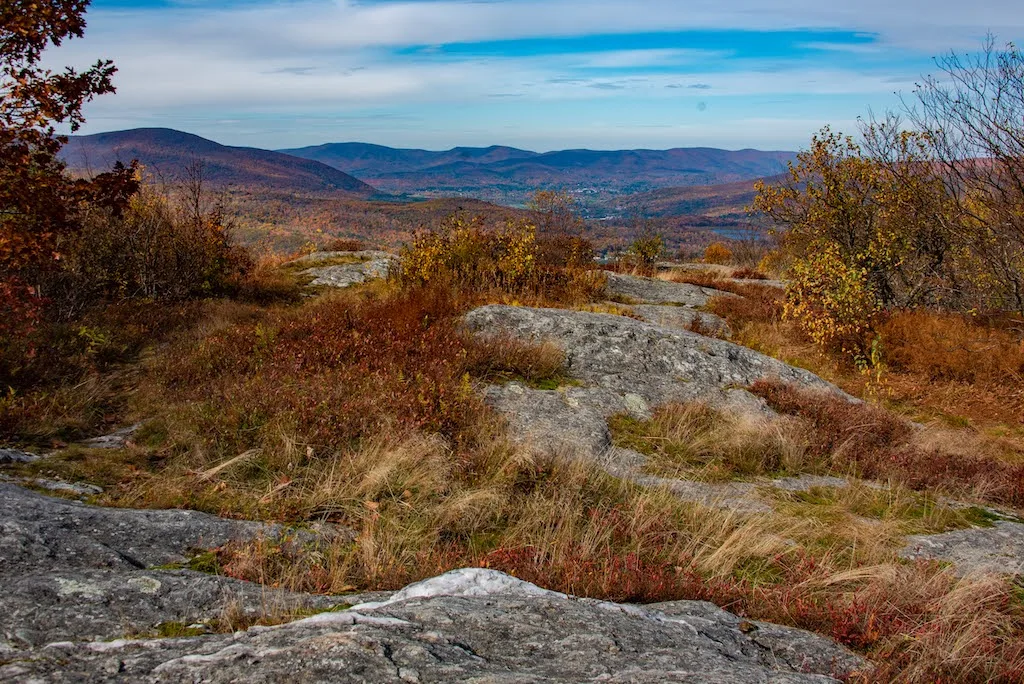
320, 24
315, 57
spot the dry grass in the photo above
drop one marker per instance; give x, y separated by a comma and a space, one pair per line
360, 410
748, 273
696, 442
873, 443
935, 367
573, 529
950, 347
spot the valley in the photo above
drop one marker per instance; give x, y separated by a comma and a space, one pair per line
353, 190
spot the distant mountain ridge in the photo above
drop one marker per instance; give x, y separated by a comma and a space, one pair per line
166, 153
500, 174
722, 199
368, 160
497, 172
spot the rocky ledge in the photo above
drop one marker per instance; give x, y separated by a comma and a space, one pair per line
468, 625
363, 266
623, 366
79, 572
636, 289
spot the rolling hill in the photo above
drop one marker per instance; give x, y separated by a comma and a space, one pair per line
167, 153
723, 199
506, 174
365, 160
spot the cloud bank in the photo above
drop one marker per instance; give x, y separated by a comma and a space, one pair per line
600, 73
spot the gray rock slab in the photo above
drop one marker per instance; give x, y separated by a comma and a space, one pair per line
371, 265
998, 549
654, 291
628, 356
799, 650
805, 483
41, 531
471, 625
9, 456
115, 440
630, 366
626, 366
683, 318
733, 496
73, 571
79, 489
94, 604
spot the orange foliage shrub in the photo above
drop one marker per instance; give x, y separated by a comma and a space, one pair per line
718, 253
343, 368
951, 347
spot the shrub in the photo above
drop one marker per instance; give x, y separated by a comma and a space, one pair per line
875, 444
643, 253
946, 346
468, 254
832, 301
475, 259
718, 253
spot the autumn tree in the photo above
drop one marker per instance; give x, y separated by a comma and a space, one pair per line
560, 230
973, 113
37, 199
865, 231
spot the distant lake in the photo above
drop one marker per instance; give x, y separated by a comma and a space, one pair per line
739, 233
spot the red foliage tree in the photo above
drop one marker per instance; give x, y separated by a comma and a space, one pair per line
37, 199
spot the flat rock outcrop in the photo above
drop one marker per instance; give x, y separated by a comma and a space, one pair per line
468, 625
998, 549
73, 571
683, 318
654, 291
624, 366
365, 265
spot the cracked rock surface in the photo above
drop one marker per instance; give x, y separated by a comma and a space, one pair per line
73, 571
368, 265
997, 549
682, 317
468, 625
654, 291
626, 366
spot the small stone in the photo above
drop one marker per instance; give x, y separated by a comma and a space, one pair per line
8, 456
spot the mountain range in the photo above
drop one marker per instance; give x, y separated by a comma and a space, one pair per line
166, 155
506, 175
510, 175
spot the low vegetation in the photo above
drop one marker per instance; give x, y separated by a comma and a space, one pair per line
697, 442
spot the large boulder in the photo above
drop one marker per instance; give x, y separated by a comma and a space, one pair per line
623, 366
469, 625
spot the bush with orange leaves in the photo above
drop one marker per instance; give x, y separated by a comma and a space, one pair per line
952, 347
718, 253
476, 258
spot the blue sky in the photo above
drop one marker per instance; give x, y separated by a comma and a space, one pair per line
539, 74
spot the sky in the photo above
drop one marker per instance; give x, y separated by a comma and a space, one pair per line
536, 74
